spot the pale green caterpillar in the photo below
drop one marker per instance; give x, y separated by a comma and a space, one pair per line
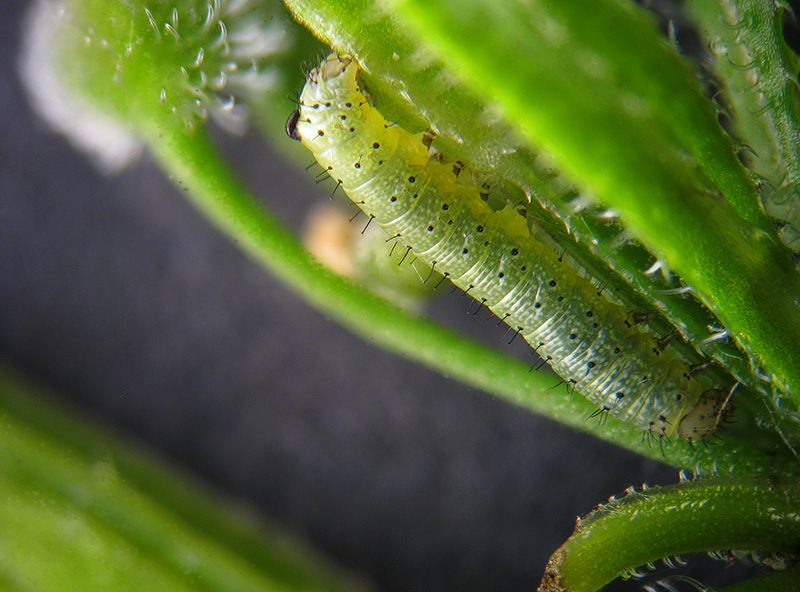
419, 200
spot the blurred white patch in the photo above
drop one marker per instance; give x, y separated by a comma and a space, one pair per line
110, 145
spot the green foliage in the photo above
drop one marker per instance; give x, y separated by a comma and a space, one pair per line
578, 106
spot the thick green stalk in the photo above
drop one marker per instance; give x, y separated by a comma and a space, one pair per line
697, 516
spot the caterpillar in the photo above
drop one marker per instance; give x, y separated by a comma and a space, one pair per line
585, 337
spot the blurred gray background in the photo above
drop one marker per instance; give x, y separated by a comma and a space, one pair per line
117, 294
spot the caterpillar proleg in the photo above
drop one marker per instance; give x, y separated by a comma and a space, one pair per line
583, 336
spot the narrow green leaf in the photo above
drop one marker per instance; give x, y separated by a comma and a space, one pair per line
640, 61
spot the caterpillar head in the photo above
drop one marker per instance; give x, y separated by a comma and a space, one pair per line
330, 107
333, 78
712, 409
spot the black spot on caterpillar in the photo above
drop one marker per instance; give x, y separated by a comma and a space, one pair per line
583, 336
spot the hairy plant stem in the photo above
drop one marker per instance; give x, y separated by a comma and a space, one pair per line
693, 516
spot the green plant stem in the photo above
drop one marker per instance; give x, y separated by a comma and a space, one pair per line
629, 164
703, 515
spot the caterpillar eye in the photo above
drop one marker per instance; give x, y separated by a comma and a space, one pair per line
291, 125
